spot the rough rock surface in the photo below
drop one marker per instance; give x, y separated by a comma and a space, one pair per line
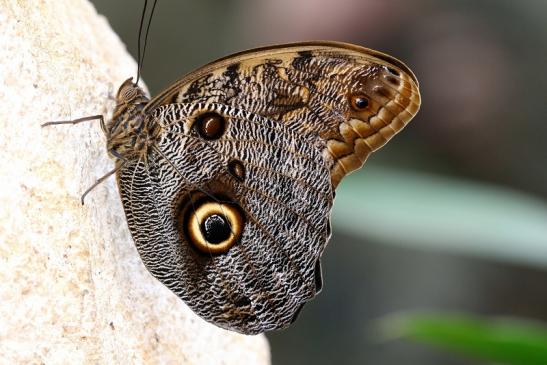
72, 286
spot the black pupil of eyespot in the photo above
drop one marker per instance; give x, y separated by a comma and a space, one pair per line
215, 229
361, 103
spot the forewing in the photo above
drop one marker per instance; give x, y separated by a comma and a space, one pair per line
353, 98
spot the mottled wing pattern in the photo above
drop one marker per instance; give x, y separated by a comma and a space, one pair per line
298, 118
313, 87
286, 196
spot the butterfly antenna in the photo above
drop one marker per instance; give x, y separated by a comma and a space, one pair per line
139, 41
140, 57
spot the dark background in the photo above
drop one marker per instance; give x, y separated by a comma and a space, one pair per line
451, 215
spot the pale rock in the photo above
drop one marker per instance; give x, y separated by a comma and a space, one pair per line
73, 289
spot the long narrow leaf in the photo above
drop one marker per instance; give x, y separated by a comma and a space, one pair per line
504, 341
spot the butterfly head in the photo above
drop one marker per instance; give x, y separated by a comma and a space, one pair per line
130, 93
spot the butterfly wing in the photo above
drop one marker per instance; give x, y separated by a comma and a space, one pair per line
353, 98
284, 197
230, 206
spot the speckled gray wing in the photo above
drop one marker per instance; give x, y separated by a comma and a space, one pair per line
284, 197
354, 98
229, 196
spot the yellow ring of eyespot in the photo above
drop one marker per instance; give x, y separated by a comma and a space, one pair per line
197, 217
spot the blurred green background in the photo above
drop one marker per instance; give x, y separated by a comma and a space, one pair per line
452, 214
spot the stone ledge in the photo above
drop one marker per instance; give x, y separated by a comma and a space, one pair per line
72, 286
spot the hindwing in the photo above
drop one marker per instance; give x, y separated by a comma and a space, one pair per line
229, 199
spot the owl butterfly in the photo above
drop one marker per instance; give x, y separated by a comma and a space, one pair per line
227, 177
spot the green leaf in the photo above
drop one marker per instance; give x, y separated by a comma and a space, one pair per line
505, 341
440, 213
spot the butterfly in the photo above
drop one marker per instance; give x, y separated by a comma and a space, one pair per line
228, 176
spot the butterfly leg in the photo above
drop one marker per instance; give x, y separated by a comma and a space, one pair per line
79, 120
100, 180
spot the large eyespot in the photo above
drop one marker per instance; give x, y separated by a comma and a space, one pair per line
358, 102
210, 126
212, 227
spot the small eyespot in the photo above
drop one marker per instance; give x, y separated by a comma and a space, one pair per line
236, 169
213, 227
359, 102
210, 126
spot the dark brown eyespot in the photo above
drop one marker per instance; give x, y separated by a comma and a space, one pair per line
359, 102
236, 169
210, 126
212, 227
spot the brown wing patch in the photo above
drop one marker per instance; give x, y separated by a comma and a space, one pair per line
354, 99
392, 101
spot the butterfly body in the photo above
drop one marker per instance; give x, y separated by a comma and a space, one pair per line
227, 177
